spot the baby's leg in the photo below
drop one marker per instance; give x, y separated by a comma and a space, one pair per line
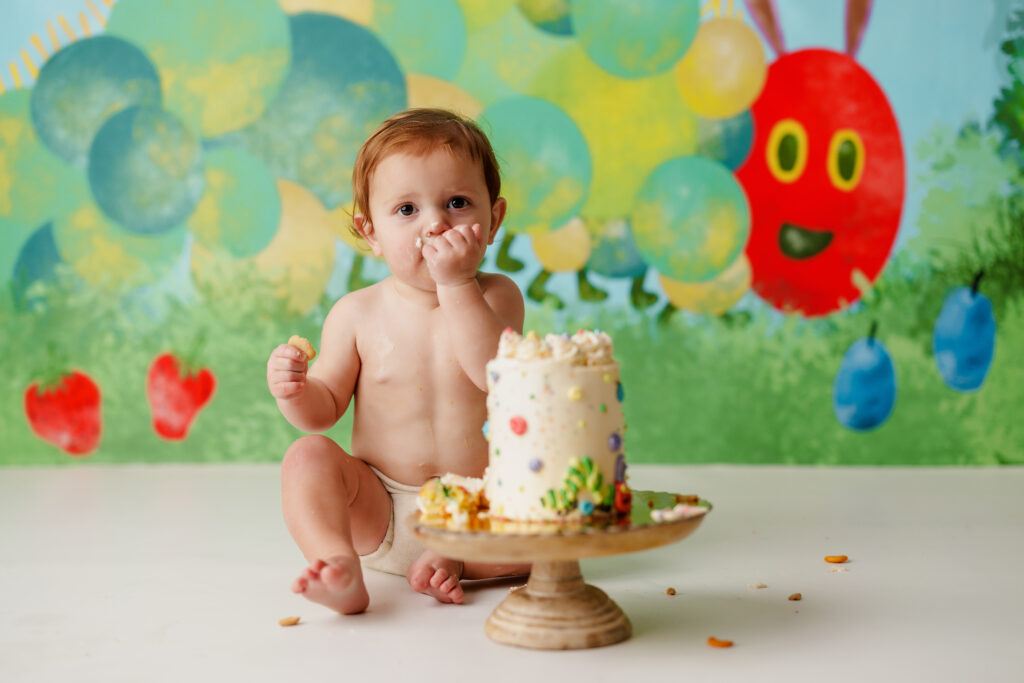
439, 576
336, 509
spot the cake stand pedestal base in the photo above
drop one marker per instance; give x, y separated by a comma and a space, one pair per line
556, 610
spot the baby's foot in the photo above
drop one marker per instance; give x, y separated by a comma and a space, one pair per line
336, 583
437, 576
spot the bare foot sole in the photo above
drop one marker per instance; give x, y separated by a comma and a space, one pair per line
336, 583
437, 577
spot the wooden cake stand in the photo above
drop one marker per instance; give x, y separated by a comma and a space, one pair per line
556, 610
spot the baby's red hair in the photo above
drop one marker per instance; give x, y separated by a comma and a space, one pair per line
421, 131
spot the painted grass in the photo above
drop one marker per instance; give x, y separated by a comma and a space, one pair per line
751, 389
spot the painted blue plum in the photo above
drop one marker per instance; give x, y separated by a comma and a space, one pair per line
965, 338
865, 388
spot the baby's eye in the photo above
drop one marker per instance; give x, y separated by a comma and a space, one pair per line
458, 203
406, 209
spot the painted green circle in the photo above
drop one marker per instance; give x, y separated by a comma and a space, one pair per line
240, 209
691, 219
545, 163
633, 38
220, 62
434, 44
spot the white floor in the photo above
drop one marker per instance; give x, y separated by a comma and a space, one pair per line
180, 573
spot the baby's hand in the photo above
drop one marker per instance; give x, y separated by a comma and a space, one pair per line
286, 372
454, 256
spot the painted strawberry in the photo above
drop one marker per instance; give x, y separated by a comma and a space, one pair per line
176, 394
66, 412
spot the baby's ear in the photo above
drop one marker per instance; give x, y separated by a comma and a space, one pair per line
365, 228
497, 216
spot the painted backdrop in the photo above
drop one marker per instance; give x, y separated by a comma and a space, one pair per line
802, 222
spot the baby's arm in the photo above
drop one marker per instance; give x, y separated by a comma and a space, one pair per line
476, 313
313, 402
476, 307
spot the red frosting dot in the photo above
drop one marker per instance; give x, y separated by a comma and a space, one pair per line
518, 425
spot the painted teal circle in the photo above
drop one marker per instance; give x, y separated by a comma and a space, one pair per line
433, 44
241, 208
727, 141
342, 84
552, 16
545, 162
691, 219
635, 38
37, 262
85, 84
614, 252
145, 170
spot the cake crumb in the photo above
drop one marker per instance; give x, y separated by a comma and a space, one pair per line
715, 642
288, 621
670, 591
756, 585
838, 570
795, 596
836, 559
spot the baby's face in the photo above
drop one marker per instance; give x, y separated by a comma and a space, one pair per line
414, 198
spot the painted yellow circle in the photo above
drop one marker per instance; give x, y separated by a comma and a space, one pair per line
845, 136
711, 297
785, 134
724, 70
575, 393
358, 11
430, 91
103, 253
564, 250
480, 13
631, 125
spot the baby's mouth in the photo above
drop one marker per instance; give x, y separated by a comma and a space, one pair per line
800, 243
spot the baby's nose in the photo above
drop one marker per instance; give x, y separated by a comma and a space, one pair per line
436, 228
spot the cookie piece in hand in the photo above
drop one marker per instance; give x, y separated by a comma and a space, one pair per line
302, 344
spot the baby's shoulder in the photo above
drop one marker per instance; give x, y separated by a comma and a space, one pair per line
351, 307
503, 295
496, 281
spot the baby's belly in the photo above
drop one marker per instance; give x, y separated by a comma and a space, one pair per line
414, 450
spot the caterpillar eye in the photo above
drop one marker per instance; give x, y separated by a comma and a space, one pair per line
786, 152
845, 159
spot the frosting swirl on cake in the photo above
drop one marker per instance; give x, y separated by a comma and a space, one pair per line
586, 347
595, 345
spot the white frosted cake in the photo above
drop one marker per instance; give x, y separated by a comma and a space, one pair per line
555, 429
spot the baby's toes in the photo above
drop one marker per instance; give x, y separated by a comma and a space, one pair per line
300, 585
452, 588
439, 577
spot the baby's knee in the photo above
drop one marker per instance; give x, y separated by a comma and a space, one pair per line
312, 449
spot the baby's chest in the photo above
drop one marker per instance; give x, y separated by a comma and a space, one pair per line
398, 358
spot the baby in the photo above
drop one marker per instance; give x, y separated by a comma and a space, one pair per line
411, 351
